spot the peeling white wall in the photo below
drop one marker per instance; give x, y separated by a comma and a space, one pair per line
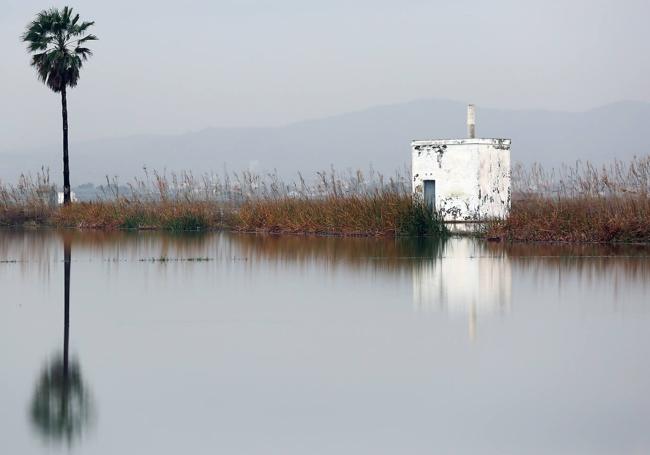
472, 176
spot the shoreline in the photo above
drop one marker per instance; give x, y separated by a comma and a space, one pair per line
572, 220
371, 215
295, 234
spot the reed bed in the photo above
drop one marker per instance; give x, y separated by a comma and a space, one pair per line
332, 204
28, 201
579, 219
378, 214
120, 214
581, 203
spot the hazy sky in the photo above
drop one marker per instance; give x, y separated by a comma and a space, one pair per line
165, 66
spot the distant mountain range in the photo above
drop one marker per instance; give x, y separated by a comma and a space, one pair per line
379, 136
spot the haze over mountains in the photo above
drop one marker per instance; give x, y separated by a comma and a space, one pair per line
378, 136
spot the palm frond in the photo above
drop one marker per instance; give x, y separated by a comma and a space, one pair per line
77, 30
83, 52
56, 57
90, 37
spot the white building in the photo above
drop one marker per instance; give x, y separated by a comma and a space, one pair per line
73, 197
463, 179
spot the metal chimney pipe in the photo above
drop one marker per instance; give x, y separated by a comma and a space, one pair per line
471, 121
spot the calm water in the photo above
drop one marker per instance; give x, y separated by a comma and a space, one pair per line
239, 344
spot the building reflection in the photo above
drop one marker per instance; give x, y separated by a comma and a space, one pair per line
468, 280
458, 276
61, 409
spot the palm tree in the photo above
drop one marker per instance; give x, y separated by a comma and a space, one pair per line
56, 38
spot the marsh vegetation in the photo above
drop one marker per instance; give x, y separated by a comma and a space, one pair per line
332, 204
580, 203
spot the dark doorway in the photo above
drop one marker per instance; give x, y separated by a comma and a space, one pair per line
430, 193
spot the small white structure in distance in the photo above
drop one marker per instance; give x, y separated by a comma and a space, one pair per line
463, 179
73, 197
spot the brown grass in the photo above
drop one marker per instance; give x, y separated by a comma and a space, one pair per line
378, 214
581, 203
578, 219
336, 205
375, 215
170, 215
25, 202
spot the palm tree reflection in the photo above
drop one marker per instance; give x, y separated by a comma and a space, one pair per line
61, 408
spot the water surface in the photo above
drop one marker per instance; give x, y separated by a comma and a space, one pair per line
240, 344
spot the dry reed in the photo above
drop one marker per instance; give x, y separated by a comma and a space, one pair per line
581, 203
379, 214
339, 204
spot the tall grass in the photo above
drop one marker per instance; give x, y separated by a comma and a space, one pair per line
580, 203
27, 201
583, 179
380, 213
332, 203
577, 219
119, 214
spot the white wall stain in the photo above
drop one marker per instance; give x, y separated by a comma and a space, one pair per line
472, 176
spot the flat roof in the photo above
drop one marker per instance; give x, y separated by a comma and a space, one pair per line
493, 141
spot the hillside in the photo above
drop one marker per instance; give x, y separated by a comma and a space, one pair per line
378, 136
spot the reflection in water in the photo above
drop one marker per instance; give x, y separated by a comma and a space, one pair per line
468, 280
308, 343
61, 407
462, 276
34, 251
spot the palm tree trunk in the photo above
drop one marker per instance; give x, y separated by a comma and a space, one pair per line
66, 167
67, 256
